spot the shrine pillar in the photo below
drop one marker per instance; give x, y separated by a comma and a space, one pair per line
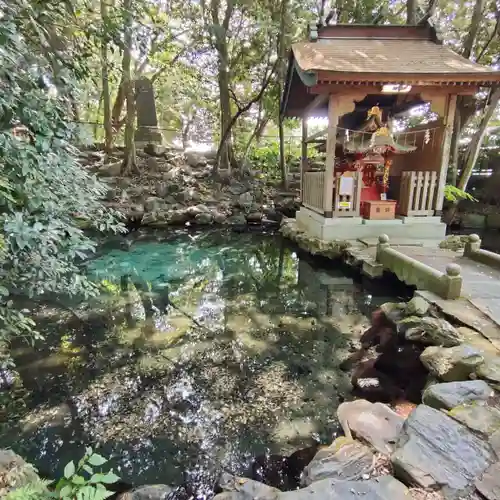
331, 141
448, 119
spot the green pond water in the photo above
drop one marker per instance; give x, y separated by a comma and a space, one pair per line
231, 350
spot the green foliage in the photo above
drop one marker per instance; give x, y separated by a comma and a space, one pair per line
36, 490
454, 194
80, 482
42, 185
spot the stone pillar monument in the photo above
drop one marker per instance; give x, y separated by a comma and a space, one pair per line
147, 123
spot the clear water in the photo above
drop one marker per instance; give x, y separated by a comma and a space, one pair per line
231, 351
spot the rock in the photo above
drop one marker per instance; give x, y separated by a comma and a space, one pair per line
195, 159
14, 472
177, 216
381, 488
162, 189
374, 423
454, 242
246, 489
394, 311
245, 201
490, 371
451, 363
237, 220
204, 219
344, 459
152, 204
434, 451
495, 442
430, 331
219, 217
254, 218
148, 492
484, 420
489, 484
152, 164
111, 169
417, 306
451, 394
155, 149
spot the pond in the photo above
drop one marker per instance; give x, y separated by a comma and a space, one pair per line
231, 350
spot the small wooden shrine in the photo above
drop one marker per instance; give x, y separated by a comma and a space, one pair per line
374, 179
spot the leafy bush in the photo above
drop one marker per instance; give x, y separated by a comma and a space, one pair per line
43, 189
454, 194
82, 483
79, 482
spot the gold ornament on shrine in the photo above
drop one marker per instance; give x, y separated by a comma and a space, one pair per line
385, 178
375, 111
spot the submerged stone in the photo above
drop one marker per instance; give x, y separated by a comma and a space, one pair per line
452, 363
148, 492
451, 394
434, 451
344, 459
245, 489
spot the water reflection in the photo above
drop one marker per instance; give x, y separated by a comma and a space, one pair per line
226, 347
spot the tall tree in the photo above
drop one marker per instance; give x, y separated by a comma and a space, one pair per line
129, 161
281, 85
106, 96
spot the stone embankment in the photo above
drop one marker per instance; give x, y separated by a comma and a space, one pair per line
179, 189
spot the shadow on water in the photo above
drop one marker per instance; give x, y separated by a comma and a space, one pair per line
232, 349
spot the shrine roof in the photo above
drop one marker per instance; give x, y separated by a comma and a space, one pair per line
339, 57
376, 58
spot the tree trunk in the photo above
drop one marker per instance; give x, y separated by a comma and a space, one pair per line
225, 108
106, 99
281, 86
477, 140
475, 24
454, 149
129, 162
411, 11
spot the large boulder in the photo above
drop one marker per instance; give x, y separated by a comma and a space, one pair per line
452, 363
374, 423
381, 488
484, 420
448, 395
394, 311
195, 159
430, 331
148, 492
434, 451
344, 459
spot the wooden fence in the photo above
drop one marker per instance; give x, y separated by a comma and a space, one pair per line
313, 190
417, 193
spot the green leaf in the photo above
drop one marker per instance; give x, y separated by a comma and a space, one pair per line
78, 480
88, 469
66, 491
69, 470
96, 460
108, 478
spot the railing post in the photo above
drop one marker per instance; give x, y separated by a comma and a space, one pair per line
383, 243
473, 245
452, 281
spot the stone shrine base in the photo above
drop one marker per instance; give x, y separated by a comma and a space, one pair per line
354, 228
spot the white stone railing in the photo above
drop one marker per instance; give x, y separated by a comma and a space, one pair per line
473, 251
447, 285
